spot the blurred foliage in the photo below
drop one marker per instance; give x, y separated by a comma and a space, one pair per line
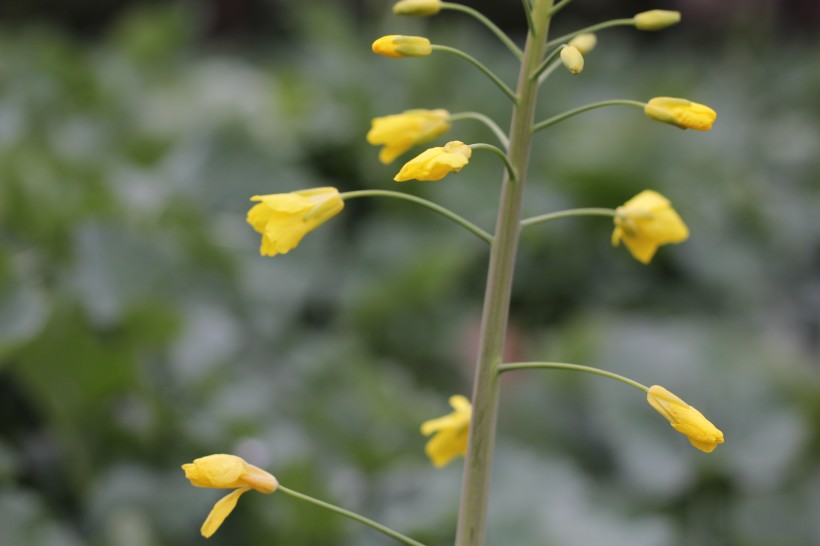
140, 328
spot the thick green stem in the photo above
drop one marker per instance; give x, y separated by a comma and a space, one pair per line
592, 106
487, 23
571, 367
352, 515
476, 63
472, 520
541, 218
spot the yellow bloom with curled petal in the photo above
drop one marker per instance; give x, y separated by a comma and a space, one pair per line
400, 132
685, 419
227, 472
417, 8
450, 432
646, 222
681, 113
436, 163
284, 218
398, 46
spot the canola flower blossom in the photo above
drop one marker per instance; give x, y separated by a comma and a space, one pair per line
398, 133
681, 113
436, 163
284, 218
646, 222
398, 46
685, 419
227, 472
450, 432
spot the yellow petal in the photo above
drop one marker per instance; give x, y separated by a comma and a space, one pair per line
221, 510
685, 419
219, 471
646, 222
450, 432
400, 132
436, 163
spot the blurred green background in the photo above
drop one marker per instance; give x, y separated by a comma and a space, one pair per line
140, 329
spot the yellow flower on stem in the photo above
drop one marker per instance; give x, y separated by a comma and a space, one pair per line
417, 8
646, 222
450, 433
681, 113
227, 472
284, 218
436, 163
400, 132
685, 419
397, 46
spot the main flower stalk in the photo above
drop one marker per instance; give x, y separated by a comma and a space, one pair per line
472, 520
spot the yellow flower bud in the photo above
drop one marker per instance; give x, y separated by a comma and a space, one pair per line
436, 163
572, 59
646, 222
685, 419
402, 46
656, 19
584, 42
400, 132
681, 113
450, 433
417, 8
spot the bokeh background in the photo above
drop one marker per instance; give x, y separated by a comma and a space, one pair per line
139, 327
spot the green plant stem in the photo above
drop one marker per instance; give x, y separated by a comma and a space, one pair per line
486, 120
447, 213
546, 62
540, 219
528, 13
352, 515
546, 73
472, 518
499, 153
600, 26
572, 367
475, 62
559, 6
487, 23
575, 111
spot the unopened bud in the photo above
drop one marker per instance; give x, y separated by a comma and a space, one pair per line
417, 8
402, 46
656, 19
572, 59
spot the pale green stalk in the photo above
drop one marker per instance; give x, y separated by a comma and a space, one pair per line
575, 111
558, 7
472, 519
600, 26
486, 120
487, 23
572, 367
352, 515
447, 213
497, 151
541, 218
475, 62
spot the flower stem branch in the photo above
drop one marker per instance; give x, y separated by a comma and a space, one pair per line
447, 213
352, 515
475, 62
528, 13
572, 367
487, 23
559, 6
540, 219
569, 113
486, 120
510, 169
600, 26
546, 62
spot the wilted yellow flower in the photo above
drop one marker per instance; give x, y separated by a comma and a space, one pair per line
685, 419
402, 46
436, 163
646, 222
227, 472
400, 132
417, 8
451, 431
681, 113
572, 59
584, 42
284, 218
656, 19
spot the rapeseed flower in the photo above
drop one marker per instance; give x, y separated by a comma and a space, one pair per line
681, 113
646, 222
656, 19
400, 132
685, 419
397, 46
450, 432
436, 163
417, 8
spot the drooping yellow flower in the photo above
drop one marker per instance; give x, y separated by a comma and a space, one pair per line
227, 472
400, 132
584, 42
646, 222
417, 8
397, 46
284, 218
656, 19
436, 163
685, 419
572, 59
681, 113
450, 432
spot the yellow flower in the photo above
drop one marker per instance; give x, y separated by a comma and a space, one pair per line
572, 59
656, 19
227, 472
584, 42
436, 163
402, 46
400, 132
685, 419
450, 439
646, 222
681, 113
284, 218
417, 8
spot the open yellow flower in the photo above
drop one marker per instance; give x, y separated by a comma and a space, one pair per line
680, 113
450, 432
436, 163
284, 218
400, 132
646, 222
227, 472
398, 46
685, 419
